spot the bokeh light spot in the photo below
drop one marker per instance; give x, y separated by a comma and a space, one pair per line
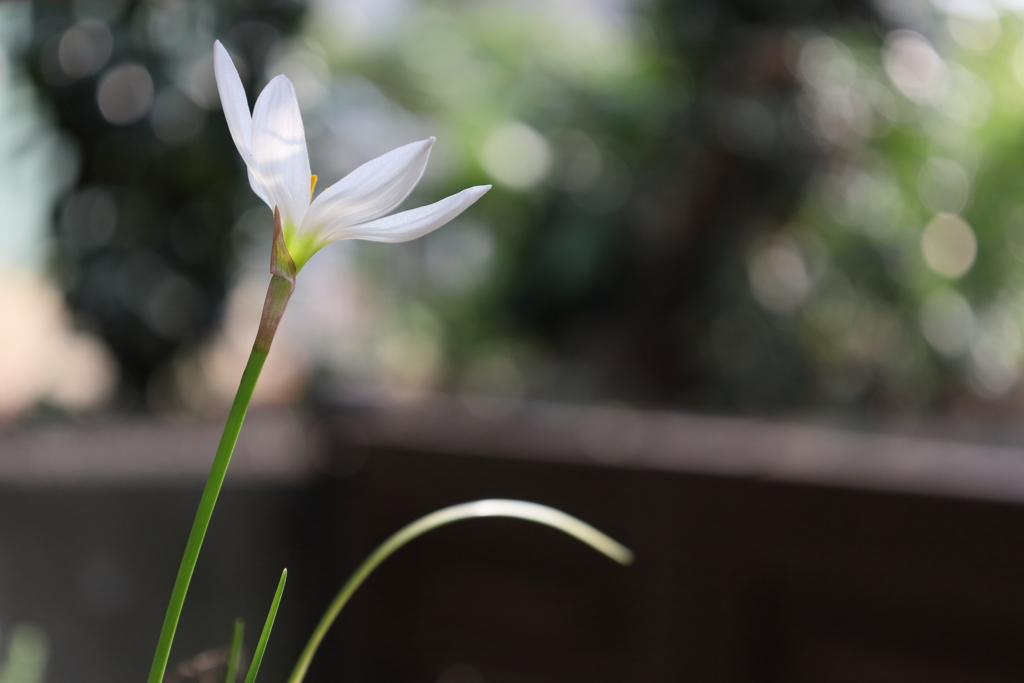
975, 25
914, 67
943, 186
85, 48
778, 276
516, 155
827, 64
947, 322
949, 245
1015, 233
968, 99
125, 94
996, 353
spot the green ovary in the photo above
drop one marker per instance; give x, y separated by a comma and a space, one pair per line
301, 246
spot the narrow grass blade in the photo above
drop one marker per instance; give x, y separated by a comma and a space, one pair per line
257, 656
518, 509
235, 652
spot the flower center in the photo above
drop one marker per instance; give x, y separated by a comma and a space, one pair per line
300, 245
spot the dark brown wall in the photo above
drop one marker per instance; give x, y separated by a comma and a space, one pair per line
734, 580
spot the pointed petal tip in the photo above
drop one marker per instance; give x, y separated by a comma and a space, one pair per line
426, 144
233, 99
276, 81
221, 56
224, 70
408, 225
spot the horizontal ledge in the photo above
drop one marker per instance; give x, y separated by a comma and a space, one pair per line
618, 436
272, 448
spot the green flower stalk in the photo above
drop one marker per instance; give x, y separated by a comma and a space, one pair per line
272, 142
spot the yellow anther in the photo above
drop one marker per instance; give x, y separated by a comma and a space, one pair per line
312, 184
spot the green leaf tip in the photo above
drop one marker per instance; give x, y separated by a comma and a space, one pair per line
235, 651
257, 656
494, 507
541, 514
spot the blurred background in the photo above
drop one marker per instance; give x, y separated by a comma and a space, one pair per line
762, 260
800, 208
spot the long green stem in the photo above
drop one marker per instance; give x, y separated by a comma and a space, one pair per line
280, 290
518, 509
206, 504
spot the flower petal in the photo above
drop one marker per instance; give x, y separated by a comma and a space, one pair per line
279, 150
233, 100
411, 224
372, 190
254, 183
236, 112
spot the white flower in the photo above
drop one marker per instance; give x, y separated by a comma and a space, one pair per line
272, 142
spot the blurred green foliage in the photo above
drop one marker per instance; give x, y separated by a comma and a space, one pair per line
143, 245
725, 204
909, 237
608, 267
561, 109
790, 209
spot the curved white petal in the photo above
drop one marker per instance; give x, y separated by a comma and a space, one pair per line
279, 150
233, 100
411, 224
372, 190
